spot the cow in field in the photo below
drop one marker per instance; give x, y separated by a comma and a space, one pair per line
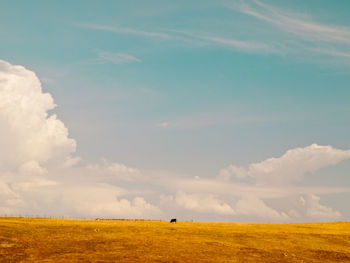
173, 220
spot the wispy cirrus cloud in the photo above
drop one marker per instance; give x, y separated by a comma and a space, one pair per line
299, 33
238, 44
295, 23
132, 31
195, 38
214, 118
116, 58
286, 33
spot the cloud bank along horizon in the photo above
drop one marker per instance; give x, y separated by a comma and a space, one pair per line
40, 174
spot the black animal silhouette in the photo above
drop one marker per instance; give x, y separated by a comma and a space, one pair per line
173, 220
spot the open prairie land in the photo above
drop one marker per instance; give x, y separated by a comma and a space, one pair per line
66, 240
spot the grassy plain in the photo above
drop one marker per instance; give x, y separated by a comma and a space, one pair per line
67, 240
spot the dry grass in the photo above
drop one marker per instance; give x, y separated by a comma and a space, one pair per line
64, 240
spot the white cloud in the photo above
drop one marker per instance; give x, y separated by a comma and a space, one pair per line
32, 184
211, 39
254, 207
232, 170
36, 163
297, 24
241, 45
283, 173
128, 31
308, 206
290, 167
29, 137
163, 124
101, 201
40, 196
32, 168
203, 203
112, 171
287, 33
6, 191
196, 39
116, 58
298, 32
40, 176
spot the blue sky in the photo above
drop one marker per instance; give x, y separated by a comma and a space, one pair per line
190, 87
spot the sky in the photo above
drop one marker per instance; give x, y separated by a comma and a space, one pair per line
199, 110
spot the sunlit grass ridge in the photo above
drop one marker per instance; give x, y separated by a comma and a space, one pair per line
67, 240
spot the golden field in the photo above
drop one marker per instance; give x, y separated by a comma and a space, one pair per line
68, 240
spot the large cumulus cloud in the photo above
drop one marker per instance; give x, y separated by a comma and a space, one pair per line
290, 167
36, 159
30, 139
40, 174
